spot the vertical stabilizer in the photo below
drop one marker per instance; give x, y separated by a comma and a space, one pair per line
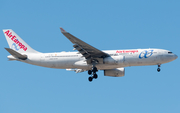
16, 43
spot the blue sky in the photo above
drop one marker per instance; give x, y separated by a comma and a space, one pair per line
107, 25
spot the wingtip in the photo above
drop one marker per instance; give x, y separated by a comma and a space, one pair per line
62, 30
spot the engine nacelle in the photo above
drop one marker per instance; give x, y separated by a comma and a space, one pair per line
118, 72
114, 60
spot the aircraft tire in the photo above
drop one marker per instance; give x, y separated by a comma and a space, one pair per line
90, 79
95, 76
94, 69
89, 72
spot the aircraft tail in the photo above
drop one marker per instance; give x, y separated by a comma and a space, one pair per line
16, 43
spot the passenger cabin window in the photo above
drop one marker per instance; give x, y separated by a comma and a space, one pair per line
169, 52
113, 54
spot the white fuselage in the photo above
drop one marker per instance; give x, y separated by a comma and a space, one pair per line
135, 57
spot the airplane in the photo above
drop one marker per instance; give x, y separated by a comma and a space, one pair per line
86, 58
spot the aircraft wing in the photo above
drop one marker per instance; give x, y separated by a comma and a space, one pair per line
88, 51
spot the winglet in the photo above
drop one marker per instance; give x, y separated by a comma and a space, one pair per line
62, 30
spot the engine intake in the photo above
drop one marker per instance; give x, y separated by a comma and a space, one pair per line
118, 72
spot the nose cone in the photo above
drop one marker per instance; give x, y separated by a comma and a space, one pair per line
175, 57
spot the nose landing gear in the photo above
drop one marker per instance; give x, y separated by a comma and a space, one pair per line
93, 74
158, 69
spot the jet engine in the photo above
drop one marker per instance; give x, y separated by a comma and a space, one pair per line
114, 60
118, 72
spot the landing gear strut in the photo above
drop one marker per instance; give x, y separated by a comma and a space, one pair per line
158, 69
93, 74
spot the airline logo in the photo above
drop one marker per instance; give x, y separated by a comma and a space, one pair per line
15, 40
15, 46
145, 54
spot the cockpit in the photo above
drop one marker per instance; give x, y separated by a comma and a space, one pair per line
169, 52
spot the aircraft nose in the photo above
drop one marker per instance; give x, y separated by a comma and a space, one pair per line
175, 56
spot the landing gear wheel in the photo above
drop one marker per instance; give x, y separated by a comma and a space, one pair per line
94, 69
89, 72
95, 76
158, 69
93, 73
90, 79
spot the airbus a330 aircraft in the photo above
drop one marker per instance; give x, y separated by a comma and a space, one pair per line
87, 58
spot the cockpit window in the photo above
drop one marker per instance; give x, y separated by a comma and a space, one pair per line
169, 52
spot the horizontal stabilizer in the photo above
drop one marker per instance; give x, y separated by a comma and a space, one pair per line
16, 54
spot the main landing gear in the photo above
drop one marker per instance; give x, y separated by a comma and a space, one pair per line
93, 74
158, 69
